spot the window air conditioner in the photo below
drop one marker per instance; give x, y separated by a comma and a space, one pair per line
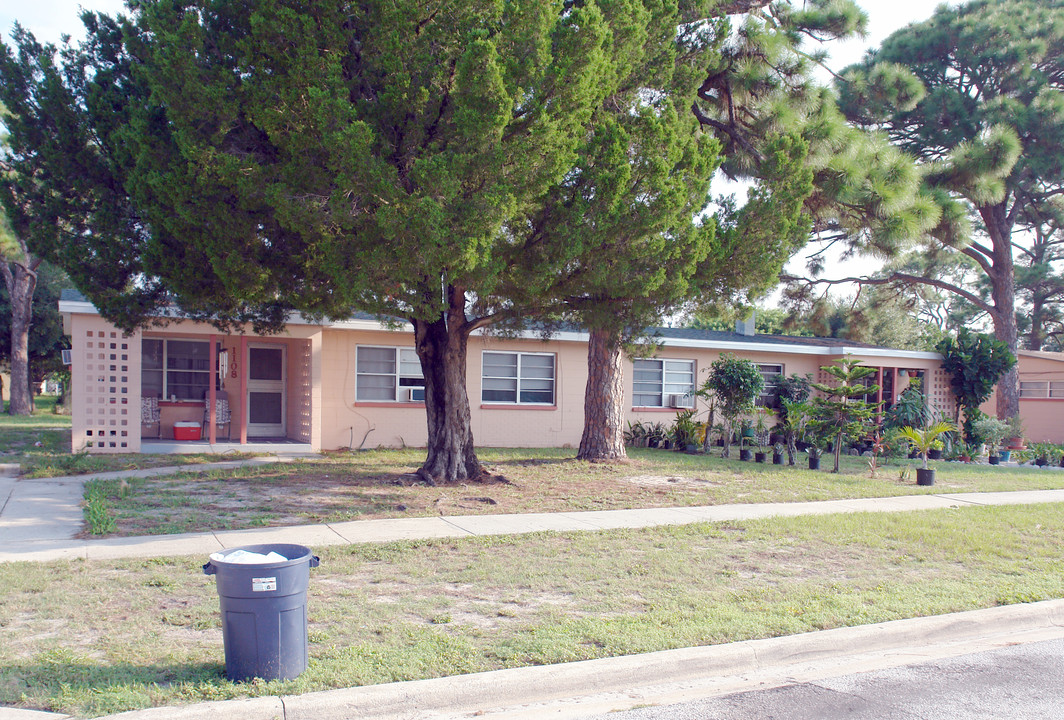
681, 401
413, 394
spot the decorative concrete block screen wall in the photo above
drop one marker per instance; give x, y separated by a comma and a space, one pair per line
106, 415
304, 425
940, 395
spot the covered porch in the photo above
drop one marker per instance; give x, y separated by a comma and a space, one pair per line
192, 389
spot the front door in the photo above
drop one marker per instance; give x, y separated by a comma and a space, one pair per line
266, 391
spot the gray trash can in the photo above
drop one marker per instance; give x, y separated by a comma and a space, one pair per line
264, 612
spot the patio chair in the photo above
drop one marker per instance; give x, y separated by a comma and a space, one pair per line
149, 415
222, 414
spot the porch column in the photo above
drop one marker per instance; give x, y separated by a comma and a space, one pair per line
211, 392
243, 390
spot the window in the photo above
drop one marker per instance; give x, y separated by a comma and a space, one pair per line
654, 381
388, 374
178, 369
510, 377
771, 374
1042, 389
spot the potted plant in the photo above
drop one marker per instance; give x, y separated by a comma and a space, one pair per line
794, 416
636, 434
922, 440
777, 453
684, 431
760, 435
935, 453
814, 456
993, 432
1015, 433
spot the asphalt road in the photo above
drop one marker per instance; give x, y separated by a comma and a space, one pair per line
1022, 682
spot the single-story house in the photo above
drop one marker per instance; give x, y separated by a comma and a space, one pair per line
357, 383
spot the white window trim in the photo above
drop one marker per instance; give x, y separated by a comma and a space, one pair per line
165, 397
664, 396
768, 392
520, 354
397, 375
1042, 389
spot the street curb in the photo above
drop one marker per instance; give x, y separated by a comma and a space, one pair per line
482, 692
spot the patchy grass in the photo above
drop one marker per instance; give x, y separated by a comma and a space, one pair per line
94, 637
40, 443
380, 484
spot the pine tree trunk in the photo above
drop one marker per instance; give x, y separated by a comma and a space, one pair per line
603, 437
21, 281
1003, 291
441, 347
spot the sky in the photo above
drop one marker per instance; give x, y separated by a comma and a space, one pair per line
49, 19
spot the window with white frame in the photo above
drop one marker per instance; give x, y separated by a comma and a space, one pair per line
517, 377
663, 383
771, 375
1041, 389
388, 374
175, 369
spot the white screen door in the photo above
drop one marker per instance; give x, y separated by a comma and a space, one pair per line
266, 391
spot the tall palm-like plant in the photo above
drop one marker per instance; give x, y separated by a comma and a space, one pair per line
924, 438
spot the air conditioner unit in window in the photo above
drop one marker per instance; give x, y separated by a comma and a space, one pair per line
681, 401
412, 394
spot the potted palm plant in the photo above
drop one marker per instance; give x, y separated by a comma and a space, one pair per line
922, 440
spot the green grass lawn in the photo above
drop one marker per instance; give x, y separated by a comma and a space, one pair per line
94, 637
380, 484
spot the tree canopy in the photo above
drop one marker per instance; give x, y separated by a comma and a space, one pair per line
974, 94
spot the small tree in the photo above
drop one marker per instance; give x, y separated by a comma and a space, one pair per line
793, 417
974, 362
844, 412
735, 384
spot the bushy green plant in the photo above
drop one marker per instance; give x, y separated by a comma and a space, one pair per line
735, 385
910, 408
974, 362
991, 431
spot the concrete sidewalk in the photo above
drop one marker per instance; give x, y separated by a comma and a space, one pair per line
33, 547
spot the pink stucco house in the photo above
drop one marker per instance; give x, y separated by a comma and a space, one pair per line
357, 383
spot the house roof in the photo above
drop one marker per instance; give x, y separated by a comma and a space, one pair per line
74, 301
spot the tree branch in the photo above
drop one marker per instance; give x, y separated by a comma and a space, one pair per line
900, 277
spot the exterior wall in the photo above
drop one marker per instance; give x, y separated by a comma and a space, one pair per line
105, 376
1043, 418
322, 409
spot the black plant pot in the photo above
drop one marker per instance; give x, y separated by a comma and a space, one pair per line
814, 463
759, 457
993, 459
777, 459
652, 443
925, 477
666, 444
746, 455
1041, 462
933, 454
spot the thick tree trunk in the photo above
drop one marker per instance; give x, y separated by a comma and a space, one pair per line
21, 281
441, 347
1003, 292
603, 437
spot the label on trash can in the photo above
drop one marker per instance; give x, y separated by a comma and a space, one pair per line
263, 584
